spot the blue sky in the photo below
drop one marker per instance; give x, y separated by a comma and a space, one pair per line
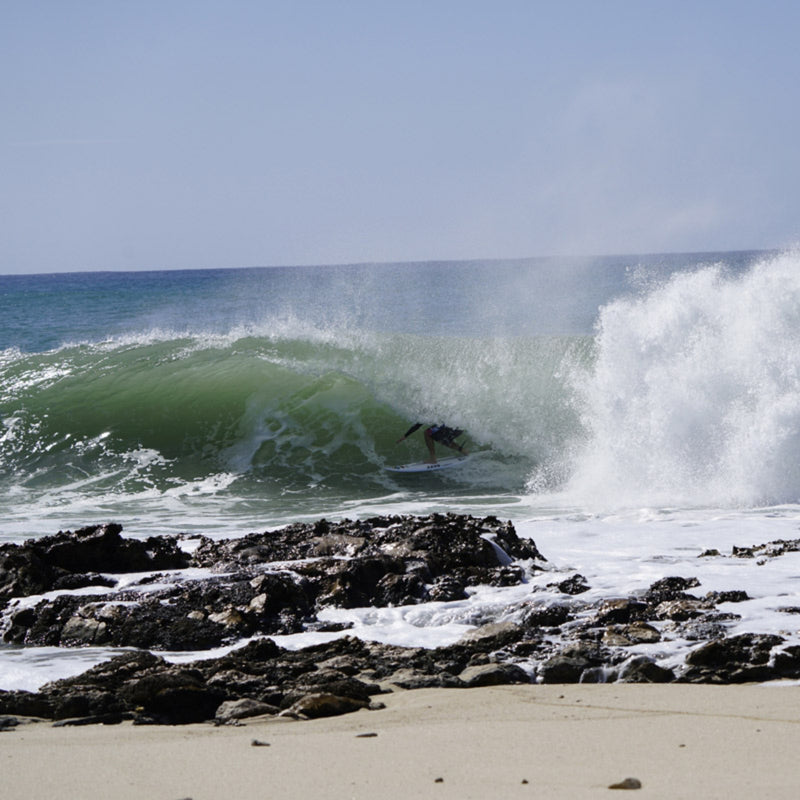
196, 133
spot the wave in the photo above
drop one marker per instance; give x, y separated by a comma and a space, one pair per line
686, 393
289, 405
694, 394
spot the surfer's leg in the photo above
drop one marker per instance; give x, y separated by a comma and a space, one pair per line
456, 446
431, 447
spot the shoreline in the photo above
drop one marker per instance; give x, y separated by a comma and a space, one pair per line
507, 741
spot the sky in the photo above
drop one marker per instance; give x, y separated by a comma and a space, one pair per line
165, 134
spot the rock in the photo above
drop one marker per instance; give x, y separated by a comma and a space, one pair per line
562, 669
737, 659
496, 632
25, 704
642, 633
641, 669
628, 783
321, 704
241, 709
672, 588
548, 616
575, 584
787, 662
680, 610
172, 697
79, 631
620, 611
415, 679
71, 560
229, 617
732, 596
378, 562
493, 675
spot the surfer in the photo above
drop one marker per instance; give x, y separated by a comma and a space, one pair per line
437, 433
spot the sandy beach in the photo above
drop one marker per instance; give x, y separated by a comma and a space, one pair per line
569, 741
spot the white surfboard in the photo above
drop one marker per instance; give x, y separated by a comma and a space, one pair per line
422, 466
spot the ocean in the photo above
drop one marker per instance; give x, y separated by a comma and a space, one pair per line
627, 413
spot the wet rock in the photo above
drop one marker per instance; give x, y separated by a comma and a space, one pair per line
232, 710
79, 631
409, 678
628, 783
575, 584
563, 669
378, 562
571, 664
680, 610
321, 704
277, 581
737, 659
731, 596
620, 611
493, 634
493, 675
549, 616
773, 549
641, 669
671, 588
445, 589
25, 704
71, 559
787, 662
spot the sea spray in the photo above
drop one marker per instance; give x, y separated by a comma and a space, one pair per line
694, 396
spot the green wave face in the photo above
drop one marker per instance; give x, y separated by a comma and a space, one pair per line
289, 411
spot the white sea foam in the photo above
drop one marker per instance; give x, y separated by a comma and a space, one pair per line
694, 398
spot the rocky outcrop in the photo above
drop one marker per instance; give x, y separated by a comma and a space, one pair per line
263, 584
73, 560
277, 582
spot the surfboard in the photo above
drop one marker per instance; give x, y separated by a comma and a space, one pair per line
422, 466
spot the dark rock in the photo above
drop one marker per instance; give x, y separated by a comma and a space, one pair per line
570, 664
378, 562
787, 662
562, 669
620, 611
317, 705
546, 616
409, 678
446, 589
492, 636
25, 704
628, 783
575, 584
246, 707
493, 675
63, 560
173, 696
680, 610
641, 669
733, 660
111, 718
672, 588
731, 596
772, 549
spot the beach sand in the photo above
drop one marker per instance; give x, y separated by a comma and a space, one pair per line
570, 741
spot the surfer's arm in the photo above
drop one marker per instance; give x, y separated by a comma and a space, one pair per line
410, 431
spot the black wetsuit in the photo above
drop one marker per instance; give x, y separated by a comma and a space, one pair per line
439, 433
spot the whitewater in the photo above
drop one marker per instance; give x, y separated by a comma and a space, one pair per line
628, 414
